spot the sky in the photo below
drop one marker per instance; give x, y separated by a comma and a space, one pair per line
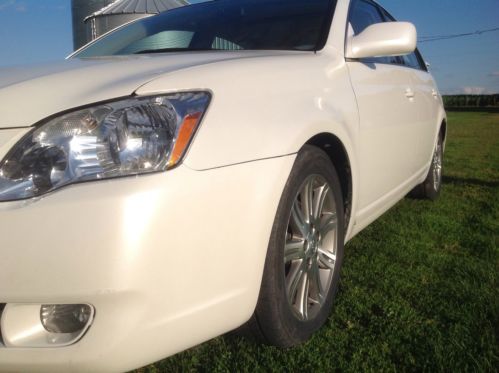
36, 31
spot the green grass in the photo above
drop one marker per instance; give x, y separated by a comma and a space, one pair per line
419, 288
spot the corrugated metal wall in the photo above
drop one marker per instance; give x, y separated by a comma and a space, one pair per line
97, 26
143, 6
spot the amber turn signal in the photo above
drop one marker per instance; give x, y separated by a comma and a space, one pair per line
186, 131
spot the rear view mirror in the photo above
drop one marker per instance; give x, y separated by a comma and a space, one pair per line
383, 40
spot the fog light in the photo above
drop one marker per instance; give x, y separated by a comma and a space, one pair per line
26, 325
65, 318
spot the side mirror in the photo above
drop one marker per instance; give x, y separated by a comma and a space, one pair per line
383, 40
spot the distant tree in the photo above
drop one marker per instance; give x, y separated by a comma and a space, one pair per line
458, 101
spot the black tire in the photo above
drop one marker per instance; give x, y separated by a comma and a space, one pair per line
430, 189
276, 321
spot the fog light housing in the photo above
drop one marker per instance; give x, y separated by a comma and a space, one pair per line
44, 325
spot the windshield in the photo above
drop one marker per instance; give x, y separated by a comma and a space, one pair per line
300, 25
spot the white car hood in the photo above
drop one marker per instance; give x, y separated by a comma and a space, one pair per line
31, 94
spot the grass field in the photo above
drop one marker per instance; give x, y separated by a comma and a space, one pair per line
419, 288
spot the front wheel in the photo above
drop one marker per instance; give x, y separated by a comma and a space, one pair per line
305, 253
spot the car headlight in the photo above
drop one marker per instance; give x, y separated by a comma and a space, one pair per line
128, 137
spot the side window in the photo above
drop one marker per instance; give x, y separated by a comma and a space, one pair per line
411, 60
162, 40
421, 62
222, 44
362, 15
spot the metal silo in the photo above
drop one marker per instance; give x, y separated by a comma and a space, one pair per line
81, 9
122, 11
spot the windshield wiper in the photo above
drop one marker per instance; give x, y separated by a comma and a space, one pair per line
173, 50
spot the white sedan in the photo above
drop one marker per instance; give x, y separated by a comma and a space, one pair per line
201, 170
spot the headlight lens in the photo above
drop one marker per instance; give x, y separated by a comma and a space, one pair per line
122, 138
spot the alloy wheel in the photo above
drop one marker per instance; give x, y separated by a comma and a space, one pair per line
311, 247
437, 167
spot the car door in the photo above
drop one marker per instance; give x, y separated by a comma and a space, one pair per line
427, 101
387, 103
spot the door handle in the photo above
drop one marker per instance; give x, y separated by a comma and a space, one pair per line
434, 93
409, 93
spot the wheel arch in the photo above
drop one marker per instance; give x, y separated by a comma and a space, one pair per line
338, 155
443, 130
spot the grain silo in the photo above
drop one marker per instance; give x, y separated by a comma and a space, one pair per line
80, 10
92, 18
123, 11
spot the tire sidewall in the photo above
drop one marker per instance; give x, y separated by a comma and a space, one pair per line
310, 161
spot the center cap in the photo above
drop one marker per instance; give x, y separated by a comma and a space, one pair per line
312, 244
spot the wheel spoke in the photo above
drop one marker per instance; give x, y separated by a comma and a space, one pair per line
294, 250
293, 280
328, 224
327, 259
307, 197
320, 198
315, 279
298, 219
302, 296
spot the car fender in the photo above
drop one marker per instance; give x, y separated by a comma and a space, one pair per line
267, 107
264, 108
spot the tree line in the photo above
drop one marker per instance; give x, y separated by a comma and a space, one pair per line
471, 101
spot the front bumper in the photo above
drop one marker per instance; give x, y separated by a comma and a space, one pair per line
168, 261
